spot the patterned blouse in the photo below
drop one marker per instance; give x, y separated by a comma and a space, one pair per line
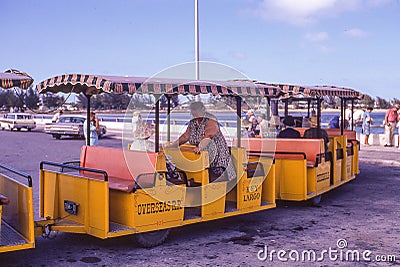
219, 155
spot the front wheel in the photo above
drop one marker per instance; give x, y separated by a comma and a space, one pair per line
57, 136
152, 239
315, 200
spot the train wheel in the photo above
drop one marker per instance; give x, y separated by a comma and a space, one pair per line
152, 239
316, 200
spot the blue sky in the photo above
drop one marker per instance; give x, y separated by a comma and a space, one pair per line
351, 43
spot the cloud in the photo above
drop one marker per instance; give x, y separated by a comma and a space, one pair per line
316, 37
307, 12
356, 33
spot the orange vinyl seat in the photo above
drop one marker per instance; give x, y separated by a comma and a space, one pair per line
124, 167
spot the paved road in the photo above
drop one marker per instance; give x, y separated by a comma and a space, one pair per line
365, 212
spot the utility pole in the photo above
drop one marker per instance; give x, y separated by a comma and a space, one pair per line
196, 37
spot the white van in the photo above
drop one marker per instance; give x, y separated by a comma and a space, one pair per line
17, 121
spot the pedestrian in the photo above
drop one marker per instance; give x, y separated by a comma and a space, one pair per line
398, 130
366, 125
391, 119
357, 116
348, 116
94, 130
56, 117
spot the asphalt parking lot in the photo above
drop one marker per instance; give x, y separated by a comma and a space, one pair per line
365, 213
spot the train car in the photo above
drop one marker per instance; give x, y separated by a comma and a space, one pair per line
114, 192
306, 168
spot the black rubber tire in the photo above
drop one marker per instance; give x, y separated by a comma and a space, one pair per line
151, 239
316, 200
57, 136
29, 129
18, 129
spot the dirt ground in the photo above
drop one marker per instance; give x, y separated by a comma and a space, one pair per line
364, 213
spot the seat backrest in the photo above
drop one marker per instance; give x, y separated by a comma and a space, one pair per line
351, 135
311, 147
123, 164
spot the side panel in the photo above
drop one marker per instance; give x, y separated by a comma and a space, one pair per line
121, 208
213, 200
293, 179
158, 208
250, 192
18, 215
91, 197
322, 177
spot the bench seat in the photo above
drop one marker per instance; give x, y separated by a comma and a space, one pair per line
139, 173
286, 148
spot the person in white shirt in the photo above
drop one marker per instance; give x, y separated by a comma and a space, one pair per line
358, 116
57, 116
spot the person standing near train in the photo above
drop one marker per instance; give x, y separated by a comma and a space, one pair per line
391, 119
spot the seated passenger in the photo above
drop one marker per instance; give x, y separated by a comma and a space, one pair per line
289, 132
203, 131
315, 132
334, 123
251, 123
263, 126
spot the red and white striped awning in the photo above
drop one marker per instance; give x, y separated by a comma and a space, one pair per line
14, 78
316, 91
95, 84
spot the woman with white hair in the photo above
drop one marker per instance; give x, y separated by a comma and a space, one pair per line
204, 132
142, 131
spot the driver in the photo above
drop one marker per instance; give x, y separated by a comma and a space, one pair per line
203, 131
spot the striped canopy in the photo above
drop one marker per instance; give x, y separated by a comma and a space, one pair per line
14, 78
95, 84
317, 91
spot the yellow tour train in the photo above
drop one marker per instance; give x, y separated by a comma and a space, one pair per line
114, 192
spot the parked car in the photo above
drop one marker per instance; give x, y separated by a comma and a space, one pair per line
70, 125
17, 121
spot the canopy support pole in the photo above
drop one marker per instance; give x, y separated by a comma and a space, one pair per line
157, 122
342, 104
286, 108
268, 109
239, 120
319, 113
88, 119
169, 118
196, 37
352, 112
